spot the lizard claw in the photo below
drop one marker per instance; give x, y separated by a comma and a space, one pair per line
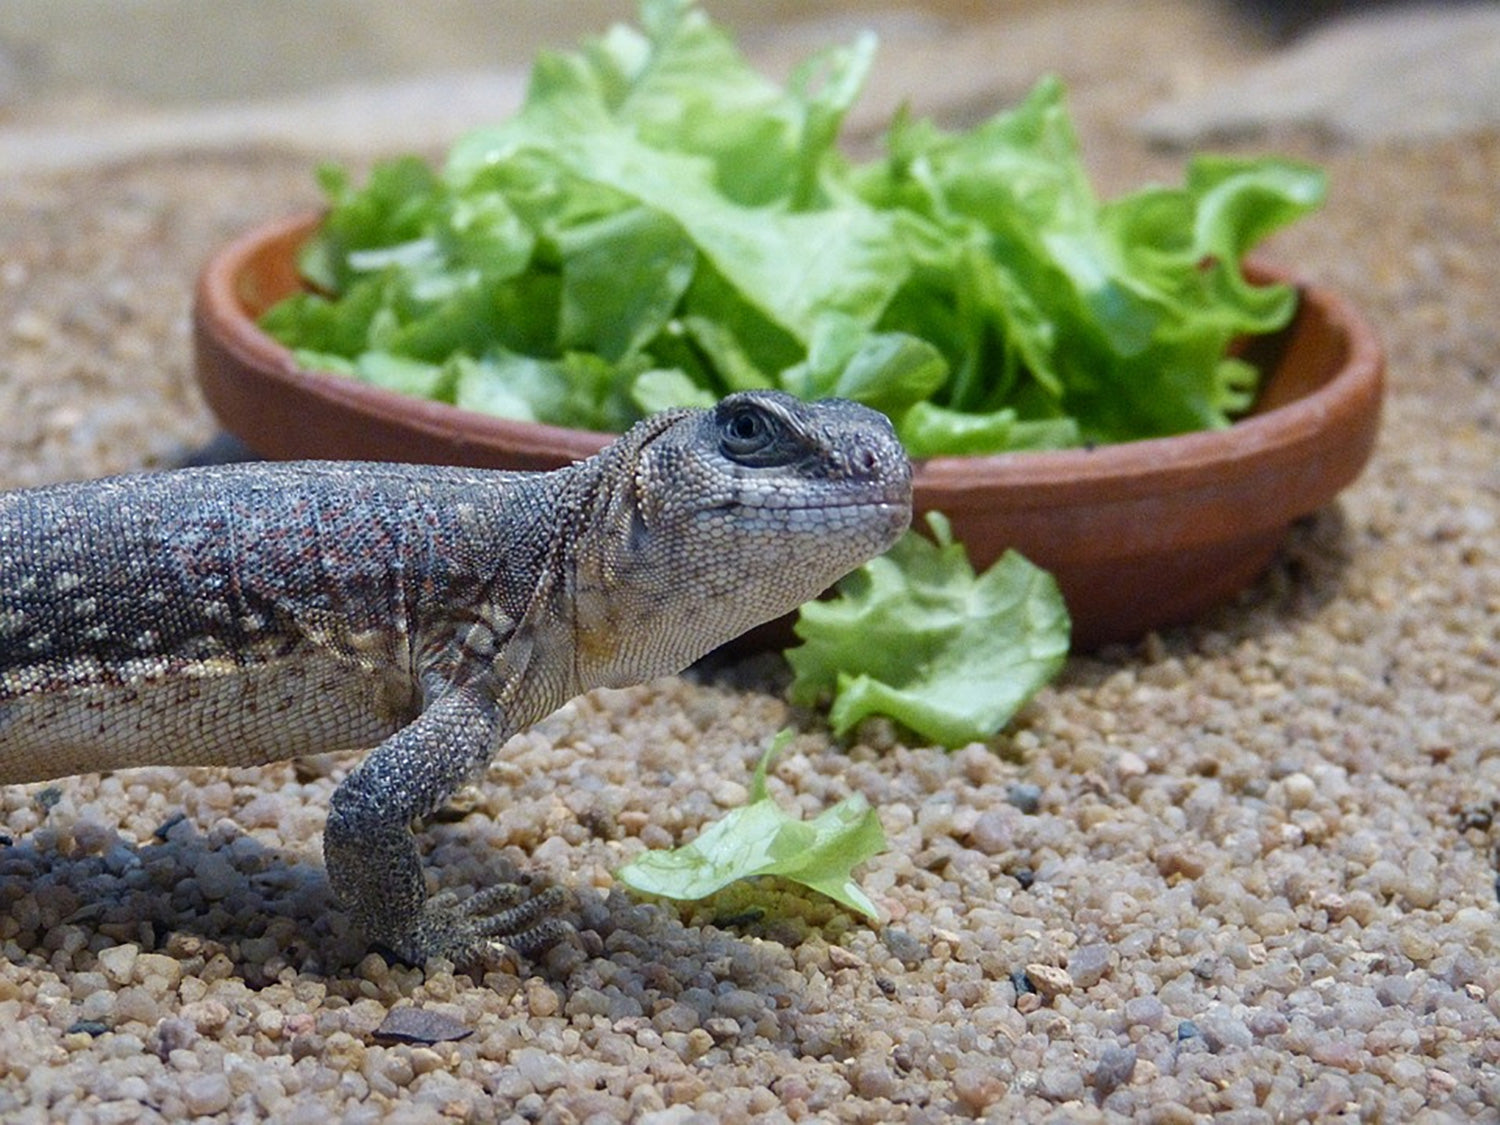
498, 918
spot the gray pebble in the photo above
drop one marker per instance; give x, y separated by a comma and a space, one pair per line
1146, 1011
206, 1093
874, 1080
1060, 1083
1025, 796
541, 1068
676, 1017
1263, 1022
1088, 963
418, 1025
905, 948
1115, 1066
215, 876
741, 1004
1222, 1030
992, 832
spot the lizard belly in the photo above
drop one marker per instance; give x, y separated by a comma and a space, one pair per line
239, 715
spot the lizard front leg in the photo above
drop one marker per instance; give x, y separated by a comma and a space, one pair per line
372, 858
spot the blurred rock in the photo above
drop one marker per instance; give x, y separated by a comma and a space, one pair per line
1415, 72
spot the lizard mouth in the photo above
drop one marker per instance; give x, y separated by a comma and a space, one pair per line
882, 495
861, 517
892, 498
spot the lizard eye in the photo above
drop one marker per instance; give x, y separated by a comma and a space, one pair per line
749, 435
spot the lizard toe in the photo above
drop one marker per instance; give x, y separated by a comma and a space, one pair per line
471, 928
536, 940
509, 919
483, 904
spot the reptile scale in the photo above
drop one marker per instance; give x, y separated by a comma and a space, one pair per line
244, 614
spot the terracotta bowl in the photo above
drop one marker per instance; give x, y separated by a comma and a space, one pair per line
1140, 535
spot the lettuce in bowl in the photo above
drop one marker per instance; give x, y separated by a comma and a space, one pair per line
660, 225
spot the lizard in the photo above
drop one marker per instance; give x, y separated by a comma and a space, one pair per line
242, 614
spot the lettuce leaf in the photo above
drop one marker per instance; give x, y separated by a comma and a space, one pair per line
917, 636
761, 839
665, 223
1118, 315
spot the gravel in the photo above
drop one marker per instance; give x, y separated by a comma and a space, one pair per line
1244, 869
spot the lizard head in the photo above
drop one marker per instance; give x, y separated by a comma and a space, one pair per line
724, 518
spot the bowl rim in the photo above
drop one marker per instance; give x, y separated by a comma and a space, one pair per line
1041, 478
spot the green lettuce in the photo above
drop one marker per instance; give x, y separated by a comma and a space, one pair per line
915, 635
666, 225
761, 839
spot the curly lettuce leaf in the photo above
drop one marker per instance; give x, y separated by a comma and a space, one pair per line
929, 430
511, 385
915, 635
761, 839
1118, 315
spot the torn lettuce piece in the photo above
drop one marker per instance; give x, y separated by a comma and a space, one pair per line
396, 205
657, 390
915, 635
559, 392
616, 312
929, 430
761, 839
406, 376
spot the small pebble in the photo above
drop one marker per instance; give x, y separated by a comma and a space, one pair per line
976, 1089
992, 832
1049, 980
907, 949
205, 1094
1060, 1084
158, 972
541, 1001
543, 1070
841, 958
1299, 790
1088, 964
418, 1025
1025, 796
1145, 1011
1113, 1070
1221, 1030
118, 962
875, 1080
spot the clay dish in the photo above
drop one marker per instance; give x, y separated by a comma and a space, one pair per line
1140, 535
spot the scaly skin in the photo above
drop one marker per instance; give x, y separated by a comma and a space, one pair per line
251, 613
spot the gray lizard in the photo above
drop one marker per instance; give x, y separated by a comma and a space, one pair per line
243, 614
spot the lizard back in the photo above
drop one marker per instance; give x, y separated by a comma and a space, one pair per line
243, 613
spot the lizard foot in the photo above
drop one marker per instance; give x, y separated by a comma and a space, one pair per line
468, 929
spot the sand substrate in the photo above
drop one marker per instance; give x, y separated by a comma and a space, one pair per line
1246, 868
